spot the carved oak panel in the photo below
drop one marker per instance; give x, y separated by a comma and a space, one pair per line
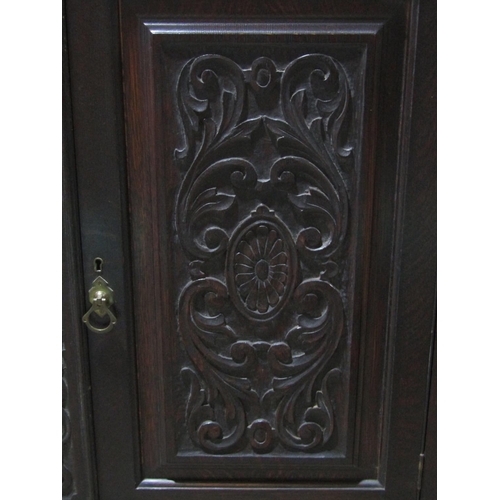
262, 215
253, 179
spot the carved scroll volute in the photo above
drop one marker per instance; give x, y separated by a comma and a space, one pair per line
260, 319
210, 99
210, 91
315, 100
225, 378
312, 342
318, 206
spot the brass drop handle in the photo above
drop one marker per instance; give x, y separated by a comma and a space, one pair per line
101, 298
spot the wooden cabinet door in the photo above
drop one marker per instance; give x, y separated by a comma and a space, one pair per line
256, 181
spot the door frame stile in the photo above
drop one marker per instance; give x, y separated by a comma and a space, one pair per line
80, 453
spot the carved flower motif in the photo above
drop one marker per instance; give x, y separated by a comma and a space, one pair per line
261, 268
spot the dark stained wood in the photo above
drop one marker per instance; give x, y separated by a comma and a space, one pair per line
253, 144
289, 125
429, 473
78, 467
95, 70
414, 296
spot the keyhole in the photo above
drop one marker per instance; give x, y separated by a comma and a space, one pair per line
98, 264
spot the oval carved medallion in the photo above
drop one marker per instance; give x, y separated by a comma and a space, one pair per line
261, 266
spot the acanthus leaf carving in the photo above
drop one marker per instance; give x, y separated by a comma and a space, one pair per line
262, 215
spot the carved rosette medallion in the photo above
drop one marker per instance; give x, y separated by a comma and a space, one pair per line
262, 215
261, 266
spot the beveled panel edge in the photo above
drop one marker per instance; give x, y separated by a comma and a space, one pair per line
371, 38
167, 484
264, 28
368, 490
344, 29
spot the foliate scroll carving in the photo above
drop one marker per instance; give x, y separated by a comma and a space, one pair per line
262, 215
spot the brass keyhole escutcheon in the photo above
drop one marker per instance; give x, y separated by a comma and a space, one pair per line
101, 299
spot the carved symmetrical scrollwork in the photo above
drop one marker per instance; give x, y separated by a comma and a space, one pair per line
262, 215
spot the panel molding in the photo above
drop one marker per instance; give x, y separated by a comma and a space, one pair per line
323, 27
349, 461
